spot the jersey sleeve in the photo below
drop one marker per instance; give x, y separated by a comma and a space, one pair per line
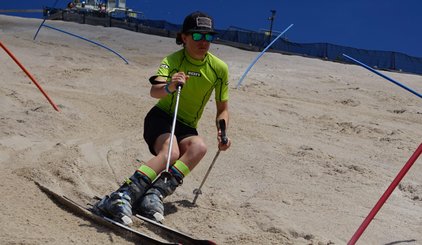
222, 86
164, 68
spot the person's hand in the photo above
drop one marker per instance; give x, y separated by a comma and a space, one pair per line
178, 79
223, 142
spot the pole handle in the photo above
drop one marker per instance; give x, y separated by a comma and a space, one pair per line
222, 126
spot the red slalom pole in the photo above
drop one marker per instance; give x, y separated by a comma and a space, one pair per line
29, 75
385, 196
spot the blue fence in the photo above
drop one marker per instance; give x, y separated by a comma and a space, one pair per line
384, 60
256, 41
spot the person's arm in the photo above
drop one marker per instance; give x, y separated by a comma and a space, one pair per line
161, 88
157, 87
222, 113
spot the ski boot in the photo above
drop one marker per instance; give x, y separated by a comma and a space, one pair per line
151, 205
118, 206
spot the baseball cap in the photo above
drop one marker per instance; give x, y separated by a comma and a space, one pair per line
198, 22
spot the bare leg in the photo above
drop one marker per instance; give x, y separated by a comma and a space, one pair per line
158, 163
192, 150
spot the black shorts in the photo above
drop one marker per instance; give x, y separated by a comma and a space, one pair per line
157, 122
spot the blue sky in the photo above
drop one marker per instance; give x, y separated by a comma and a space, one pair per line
390, 25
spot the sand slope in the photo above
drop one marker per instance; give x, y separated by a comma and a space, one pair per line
315, 143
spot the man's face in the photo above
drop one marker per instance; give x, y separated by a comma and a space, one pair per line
196, 44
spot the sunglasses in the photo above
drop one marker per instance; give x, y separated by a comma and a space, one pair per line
196, 36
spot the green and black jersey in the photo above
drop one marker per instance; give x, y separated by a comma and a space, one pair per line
206, 76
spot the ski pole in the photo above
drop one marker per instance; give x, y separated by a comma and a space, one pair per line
224, 140
173, 127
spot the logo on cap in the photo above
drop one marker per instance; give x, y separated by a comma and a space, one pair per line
204, 22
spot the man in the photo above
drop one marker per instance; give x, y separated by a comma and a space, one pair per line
197, 73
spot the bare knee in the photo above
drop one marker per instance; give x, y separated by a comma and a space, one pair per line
198, 147
161, 146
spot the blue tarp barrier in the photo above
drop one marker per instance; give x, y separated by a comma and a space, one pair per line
385, 60
257, 41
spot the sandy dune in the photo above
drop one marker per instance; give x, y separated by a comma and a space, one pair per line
315, 143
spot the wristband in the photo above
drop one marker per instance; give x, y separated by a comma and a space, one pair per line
166, 88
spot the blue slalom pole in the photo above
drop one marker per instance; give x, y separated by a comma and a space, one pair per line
39, 28
85, 39
262, 53
382, 75
44, 19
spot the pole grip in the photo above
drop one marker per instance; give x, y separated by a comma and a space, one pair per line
222, 126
